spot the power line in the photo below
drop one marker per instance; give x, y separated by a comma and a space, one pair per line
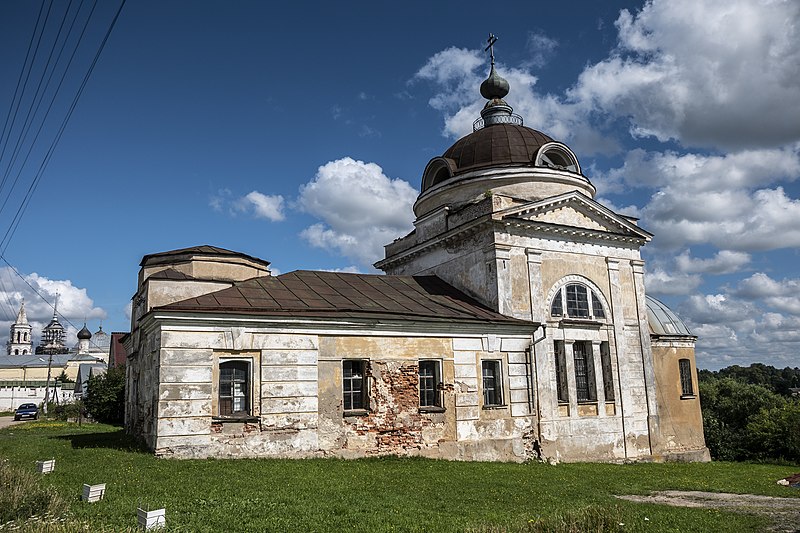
24, 204
21, 74
40, 295
47, 112
27, 77
33, 108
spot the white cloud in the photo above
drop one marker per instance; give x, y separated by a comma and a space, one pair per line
361, 209
783, 296
255, 204
263, 205
660, 282
703, 72
725, 262
456, 74
540, 48
695, 172
74, 304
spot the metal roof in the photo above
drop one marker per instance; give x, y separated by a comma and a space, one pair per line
663, 321
337, 295
496, 145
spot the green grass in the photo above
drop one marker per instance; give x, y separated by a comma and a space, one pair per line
382, 494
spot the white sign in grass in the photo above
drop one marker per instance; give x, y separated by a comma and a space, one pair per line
151, 519
93, 493
45, 467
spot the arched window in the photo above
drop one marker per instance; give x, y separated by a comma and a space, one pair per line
581, 302
557, 156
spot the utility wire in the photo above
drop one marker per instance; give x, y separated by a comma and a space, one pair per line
47, 112
21, 74
24, 204
34, 289
38, 94
27, 77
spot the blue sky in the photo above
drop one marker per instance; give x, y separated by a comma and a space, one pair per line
298, 132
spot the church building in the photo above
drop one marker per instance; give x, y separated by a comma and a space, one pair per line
511, 324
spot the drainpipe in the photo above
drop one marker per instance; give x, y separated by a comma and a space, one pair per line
534, 377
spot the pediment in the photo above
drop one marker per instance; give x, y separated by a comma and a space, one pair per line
575, 210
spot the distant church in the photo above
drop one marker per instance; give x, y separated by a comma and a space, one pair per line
53, 338
512, 324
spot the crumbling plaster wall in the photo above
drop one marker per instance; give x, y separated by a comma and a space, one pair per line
395, 424
681, 419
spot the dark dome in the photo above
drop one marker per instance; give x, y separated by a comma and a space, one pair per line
84, 333
496, 145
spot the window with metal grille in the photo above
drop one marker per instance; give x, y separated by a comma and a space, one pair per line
492, 383
685, 368
585, 388
234, 388
354, 394
608, 374
561, 372
429, 379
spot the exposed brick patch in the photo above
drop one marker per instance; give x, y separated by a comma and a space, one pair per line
394, 416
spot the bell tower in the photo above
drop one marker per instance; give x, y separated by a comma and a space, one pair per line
19, 338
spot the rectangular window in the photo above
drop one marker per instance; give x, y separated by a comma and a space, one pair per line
577, 301
608, 374
234, 388
429, 380
685, 368
585, 388
492, 383
561, 373
353, 385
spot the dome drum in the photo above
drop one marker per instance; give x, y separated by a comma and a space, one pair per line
530, 184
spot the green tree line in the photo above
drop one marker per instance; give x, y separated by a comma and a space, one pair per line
751, 413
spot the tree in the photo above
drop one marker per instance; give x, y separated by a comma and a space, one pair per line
105, 396
775, 432
728, 407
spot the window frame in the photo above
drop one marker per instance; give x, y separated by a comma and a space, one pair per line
497, 381
246, 366
585, 380
427, 393
568, 302
685, 376
349, 393
608, 372
562, 383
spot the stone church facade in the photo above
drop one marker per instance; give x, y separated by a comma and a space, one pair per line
512, 323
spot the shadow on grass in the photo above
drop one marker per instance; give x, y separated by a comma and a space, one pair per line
115, 440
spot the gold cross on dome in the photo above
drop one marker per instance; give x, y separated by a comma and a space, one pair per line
491, 40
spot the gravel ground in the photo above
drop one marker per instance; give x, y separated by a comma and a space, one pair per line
784, 512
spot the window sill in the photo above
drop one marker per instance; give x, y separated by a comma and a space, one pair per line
582, 322
235, 418
355, 412
431, 409
491, 407
688, 396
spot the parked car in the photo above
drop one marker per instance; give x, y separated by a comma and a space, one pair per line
26, 410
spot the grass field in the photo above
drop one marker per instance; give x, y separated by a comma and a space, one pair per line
381, 494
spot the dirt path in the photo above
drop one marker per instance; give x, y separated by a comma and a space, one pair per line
6, 421
784, 512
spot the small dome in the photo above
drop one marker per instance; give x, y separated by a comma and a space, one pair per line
84, 333
495, 87
497, 145
663, 321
